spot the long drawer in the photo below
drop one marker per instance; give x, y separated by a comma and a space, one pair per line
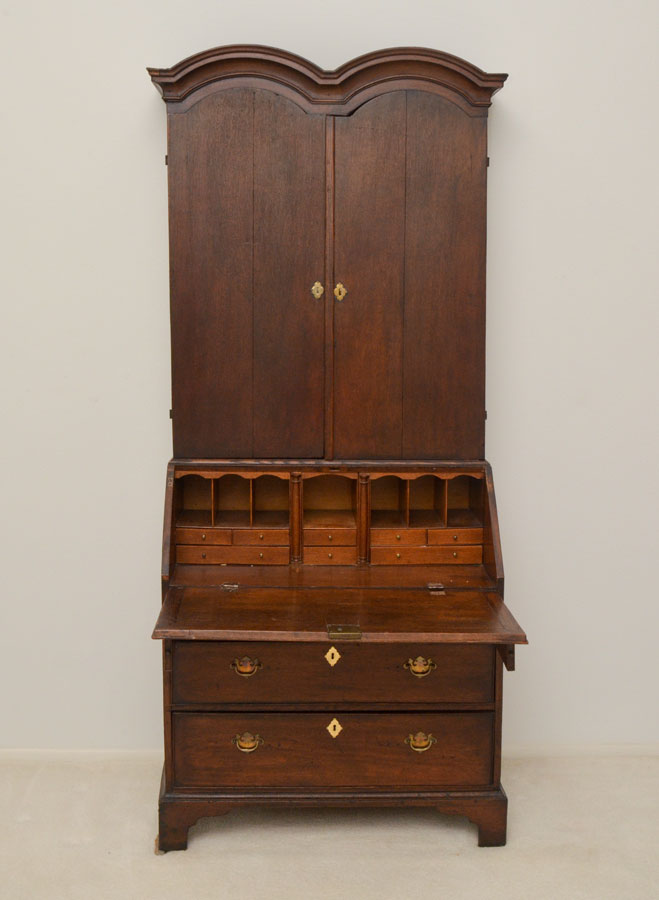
390, 556
217, 672
191, 555
333, 750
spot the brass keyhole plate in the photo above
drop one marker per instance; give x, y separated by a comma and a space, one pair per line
332, 656
335, 728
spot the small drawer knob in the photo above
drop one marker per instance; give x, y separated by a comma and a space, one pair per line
397, 537
330, 555
329, 537
455, 554
260, 537
203, 556
398, 556
203, 537
455, 537
260, 556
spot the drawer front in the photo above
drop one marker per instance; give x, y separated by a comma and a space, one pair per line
330, 556
209, 672
364, 750
389, 556
394, 537
328, 537
274, 537
203, 535
274, 556
455, 535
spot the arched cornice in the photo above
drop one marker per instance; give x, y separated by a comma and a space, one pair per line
338, 92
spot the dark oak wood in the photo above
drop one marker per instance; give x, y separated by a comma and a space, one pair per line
282, 614
333, 625
355, 672
297, 751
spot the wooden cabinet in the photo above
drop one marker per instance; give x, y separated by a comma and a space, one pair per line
333, 625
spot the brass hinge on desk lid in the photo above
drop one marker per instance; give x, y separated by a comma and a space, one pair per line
344, 632
228, 586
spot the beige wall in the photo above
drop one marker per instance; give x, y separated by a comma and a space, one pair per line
572, 333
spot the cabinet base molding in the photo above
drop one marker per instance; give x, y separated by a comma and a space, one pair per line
178, 812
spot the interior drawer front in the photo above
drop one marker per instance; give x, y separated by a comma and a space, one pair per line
455, 535
394, 537
330, 556
365, 750
388, 556
275, 537
278, 556
327, 537
282, 672
203, 535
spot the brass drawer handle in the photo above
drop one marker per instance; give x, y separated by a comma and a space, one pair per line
420, 742
246, 666
420, 666
340, 291
247, 743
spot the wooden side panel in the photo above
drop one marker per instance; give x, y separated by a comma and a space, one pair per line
368, 260
444, 331
289, 256
211, 212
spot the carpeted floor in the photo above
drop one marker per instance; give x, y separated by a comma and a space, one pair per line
83, 826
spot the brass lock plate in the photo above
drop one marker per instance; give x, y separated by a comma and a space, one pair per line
344, 632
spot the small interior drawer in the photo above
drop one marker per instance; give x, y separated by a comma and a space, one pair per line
328, 556
188, 555
203, 536
455, 535
390, 556
274, 537
394, 537
330, 537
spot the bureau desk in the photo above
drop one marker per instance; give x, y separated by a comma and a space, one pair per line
333, 624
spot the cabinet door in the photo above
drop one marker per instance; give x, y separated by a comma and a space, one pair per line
247, 242
409, 359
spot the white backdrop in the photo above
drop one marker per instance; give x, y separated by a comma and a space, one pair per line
572, 431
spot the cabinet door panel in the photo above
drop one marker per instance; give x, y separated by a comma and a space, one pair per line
211, 214
444, 328
369, 261
247, 211
289, 256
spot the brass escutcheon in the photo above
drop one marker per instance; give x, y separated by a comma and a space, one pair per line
246, 666
317, 290
420, 666
420, 742
247, 743
340, 291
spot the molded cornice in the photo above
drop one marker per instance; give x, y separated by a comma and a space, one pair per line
338, 92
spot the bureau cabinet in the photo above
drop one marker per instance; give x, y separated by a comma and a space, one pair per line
333, 624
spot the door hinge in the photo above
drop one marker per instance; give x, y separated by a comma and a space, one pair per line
486, 414
166, 159
487, 161
171, 414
